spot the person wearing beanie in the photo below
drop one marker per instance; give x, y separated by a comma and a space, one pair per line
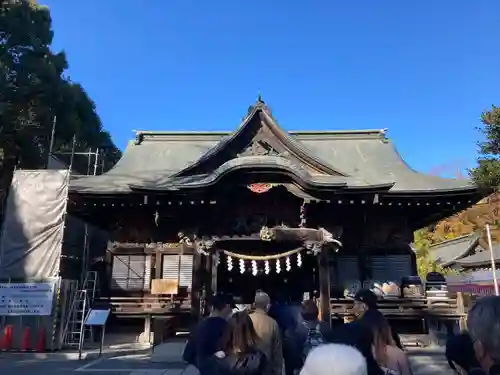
364, 300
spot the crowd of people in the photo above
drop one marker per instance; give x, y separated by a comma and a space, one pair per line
275, 338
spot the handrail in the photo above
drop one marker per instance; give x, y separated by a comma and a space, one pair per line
90, 276
69, 315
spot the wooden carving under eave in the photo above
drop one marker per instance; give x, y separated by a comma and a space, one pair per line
259, 148
261, 187
319, 236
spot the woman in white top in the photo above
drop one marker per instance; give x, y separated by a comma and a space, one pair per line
389, 357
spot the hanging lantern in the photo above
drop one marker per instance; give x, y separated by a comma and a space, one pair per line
278, 266
229, 263
288, 266
267, 268
299, 260
242, 266
254, 268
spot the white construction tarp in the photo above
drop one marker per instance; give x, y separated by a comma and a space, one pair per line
33, 228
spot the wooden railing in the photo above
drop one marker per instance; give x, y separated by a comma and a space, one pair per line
404, 308
144, 305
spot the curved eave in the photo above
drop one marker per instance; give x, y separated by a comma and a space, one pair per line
465, 190
462, 254
302, 181
477, 263
298, 176
100, 194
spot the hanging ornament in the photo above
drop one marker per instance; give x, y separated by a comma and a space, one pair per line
242, 266
254, 268
288, 266
267, 268
299, 260
229, 263
302, 215
278, 266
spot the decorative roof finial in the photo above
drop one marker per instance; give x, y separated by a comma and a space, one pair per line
259, 105
139, 137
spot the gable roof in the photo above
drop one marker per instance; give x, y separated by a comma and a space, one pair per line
448, 252
332, 159
258, 119
481, 258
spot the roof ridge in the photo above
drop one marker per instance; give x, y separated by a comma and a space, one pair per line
340, 131
182, 132
292, 132
456, 239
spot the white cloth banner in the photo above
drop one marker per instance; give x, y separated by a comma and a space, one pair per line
27, 298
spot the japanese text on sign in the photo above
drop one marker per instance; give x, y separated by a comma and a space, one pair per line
27, 298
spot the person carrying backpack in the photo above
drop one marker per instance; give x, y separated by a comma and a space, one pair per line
315, 335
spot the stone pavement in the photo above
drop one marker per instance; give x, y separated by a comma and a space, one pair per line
166, 361
428, 361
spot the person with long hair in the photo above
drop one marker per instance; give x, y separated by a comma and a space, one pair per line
460, 354
358, 336
385, 350
239, 354
365, 300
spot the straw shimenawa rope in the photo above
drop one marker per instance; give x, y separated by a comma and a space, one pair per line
263, 257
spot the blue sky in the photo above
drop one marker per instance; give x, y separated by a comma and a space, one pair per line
423, 69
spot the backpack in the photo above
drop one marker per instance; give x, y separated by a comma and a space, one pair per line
314, 339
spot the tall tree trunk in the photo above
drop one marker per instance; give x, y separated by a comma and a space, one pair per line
8, 165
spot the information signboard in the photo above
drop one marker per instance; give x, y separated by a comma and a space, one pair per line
27, 298
97, 317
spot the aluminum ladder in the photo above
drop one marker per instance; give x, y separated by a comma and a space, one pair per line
76, 331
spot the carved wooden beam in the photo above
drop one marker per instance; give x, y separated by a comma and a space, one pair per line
313, 239
146, 245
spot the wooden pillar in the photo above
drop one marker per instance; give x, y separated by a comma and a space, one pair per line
197, 286
324, 286
158, 263
213, 273
157, 323
211, 280
108, 273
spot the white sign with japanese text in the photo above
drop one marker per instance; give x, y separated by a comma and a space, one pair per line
27, 298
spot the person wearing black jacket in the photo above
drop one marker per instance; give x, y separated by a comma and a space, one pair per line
206, 336
292, 338
365, 300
